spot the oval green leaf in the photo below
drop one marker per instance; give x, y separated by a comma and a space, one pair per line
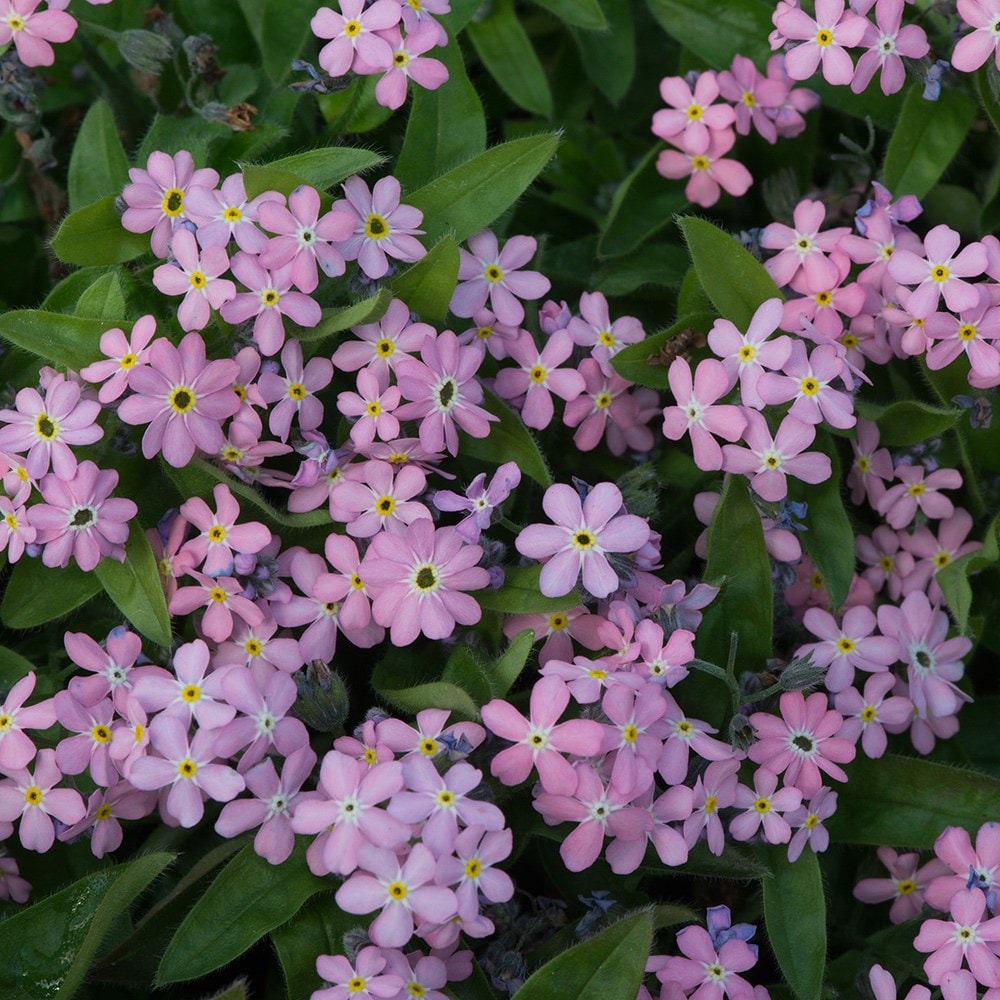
46, 949
37, 595
427, 286
717, 31
585, 14
520, 595
66, 341
641, 363
343, 318
95, 235
322, 168
508, 667
795, 918
247, 899
98, 165
909, 421
134, 586
608, 965
733, 280
473, 195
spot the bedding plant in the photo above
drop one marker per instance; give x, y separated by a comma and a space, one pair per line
499, 498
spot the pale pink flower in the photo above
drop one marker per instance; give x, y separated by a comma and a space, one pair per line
965, 938
295, 391
954, 849
578, 540
32, 30
156, 196
183, 397
539, 376
406, 62
872, 466
196, 276
15, 530
808, 819
226, 214
886, 44
222, 598
967, 334
539, 741
105, 808
887, 563
417, 580
696, 411
352, 33
125, 353
593, 328
917, 491
607, 407
380, 499
755, 97
846, 647
933, 553
711, 172
34, 798
823, 40
219, 535
364, 980
372, 405
470, 870
808, 381
941, 271
381, 345
802, 246
709, 970
713, 790
488, 273
865, 714
976, 47
762, 806
884, 986
16, 749
690, 118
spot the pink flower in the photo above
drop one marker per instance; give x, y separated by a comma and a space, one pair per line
933, 553
469, 869
886, 44
270, 298
673, 806
539, 742
273, 807
417, 579
219, 534
607, 407
954, 849
884, 986
372, 405
539, 376
905, 885
802, 742
696, 412
710, 172
976, 47
406, 62
364, 980
382, 226
713, 971
353, 33
824, 40
188, 768
125, 353
899, 504
45, 427
399, 891
598, 811
690, 118
444, 393
865, 714
490, 273
295, 391
34, 799
79, 519
381, 499
763, 806
941, 271
16, 749
226, 215
578, 540
304, 239
847, 647
221, 597
105, 808
769, 459
755, 97
966, 937
967, 334
803, 248
714, 790
594, 329
479, 500
808, 381
155, 198
32, 30
91, 748
887, 562
808, 819
15, 531
195, 276
183, 397
383, 344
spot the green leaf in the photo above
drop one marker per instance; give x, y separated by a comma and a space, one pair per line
585, 14
718, 31
321, 168
521, 595
610, 965
735, 282
953, 579
98, 165
95, 235
906, 801
66, 341
317, 929
247, 899
238, 991
134, 586
46, 949
37, 595
641, 362
734, 863
508, 441
171, 134
473, 195
829, 538
402, 679
433, 142
642, 205
988, 96
736, 552
507, 53
795, 918
281, 28
343, 318
104, 300
198, 478
508, 668
464, 669
609, 57
13, 666
909, 421
925, 140
654, 264
427, 286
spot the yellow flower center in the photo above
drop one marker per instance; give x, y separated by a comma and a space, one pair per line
907, 887
484, 332
371, 757
583, 540
700, 163
811, 820
762, 805
357, 985
45, 427
217, 533
472, 868
103, 812
15, 23
942, 559
182, 399
33, 795
352, 28
597, 674
887, 563
218, 595
915, 489
197, 279
602, 400
557, 621
748, 99
269, 298
297, 391
809, 386
868, 713
376, 228
173, 202
101, 734
630, 734
232, 214
939, 273
493, 273
445, 799
849, 341
607, 338
374, 408
845, 645
191, 693
425, 578
824, 37
694, 112
397, 890
863, 463
11, 523
711, 804
538, 374
816, 581
966, 332
127, 361
187, 768
384, 348
428, 747
384, 506
400, 58
823, 299
747, 352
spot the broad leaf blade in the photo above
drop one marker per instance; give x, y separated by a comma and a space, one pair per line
427, 286
37, 595
134, 586
795, 917
94, 235
247, 900
521, 595
321, 168
508, 668
908, 421
98, 165
509, 441
646, 362
368, 310
610, 964
67, 341
717, 31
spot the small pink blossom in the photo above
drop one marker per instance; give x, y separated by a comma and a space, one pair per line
710, 172
32, 30
690, 118
33, 798
125, 353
